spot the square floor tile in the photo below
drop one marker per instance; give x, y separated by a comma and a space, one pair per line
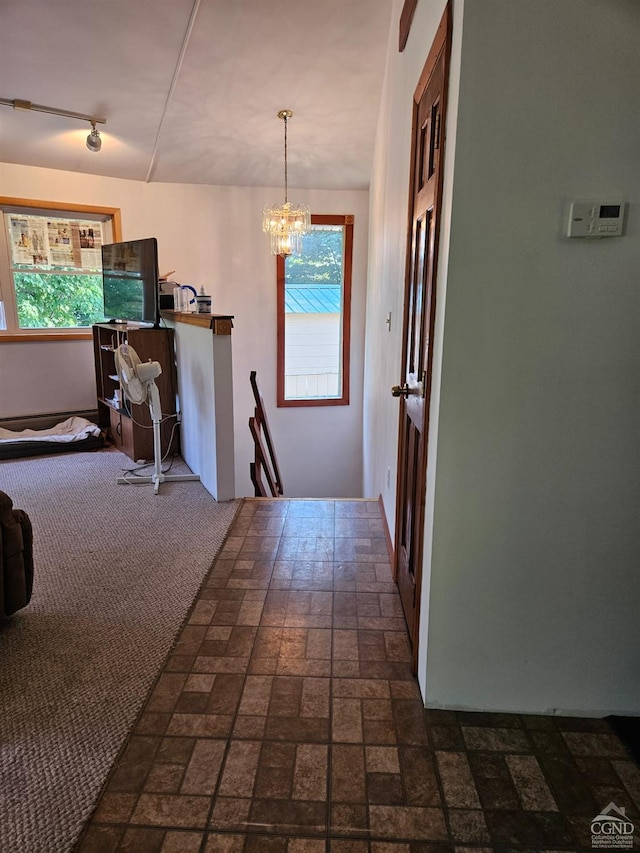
287, 720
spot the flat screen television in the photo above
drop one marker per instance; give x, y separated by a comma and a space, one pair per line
130, 281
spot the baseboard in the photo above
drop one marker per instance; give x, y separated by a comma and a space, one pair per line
387, 533
589, 713
45, 421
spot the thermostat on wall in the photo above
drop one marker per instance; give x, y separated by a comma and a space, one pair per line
596, 219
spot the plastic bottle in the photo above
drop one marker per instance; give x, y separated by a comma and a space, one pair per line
204, 302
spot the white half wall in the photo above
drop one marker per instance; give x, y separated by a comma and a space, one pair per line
205, 391
211, 236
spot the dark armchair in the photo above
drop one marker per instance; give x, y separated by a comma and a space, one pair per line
16, 557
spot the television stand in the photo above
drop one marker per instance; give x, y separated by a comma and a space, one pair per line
129, 426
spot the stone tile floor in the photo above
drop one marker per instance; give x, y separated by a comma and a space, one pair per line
286, 720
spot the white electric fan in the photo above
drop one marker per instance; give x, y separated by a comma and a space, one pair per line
137, 379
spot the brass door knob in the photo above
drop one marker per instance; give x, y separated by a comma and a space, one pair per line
400, 390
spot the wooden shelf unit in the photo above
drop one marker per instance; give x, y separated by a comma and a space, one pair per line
129, 426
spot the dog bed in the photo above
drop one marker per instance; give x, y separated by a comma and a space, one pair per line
72, 434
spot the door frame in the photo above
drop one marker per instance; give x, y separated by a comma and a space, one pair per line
441, 42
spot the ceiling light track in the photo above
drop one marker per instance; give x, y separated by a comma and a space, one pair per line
94, 141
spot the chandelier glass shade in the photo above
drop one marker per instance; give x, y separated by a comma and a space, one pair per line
285, 224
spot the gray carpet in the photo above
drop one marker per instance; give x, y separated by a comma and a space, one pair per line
116, 570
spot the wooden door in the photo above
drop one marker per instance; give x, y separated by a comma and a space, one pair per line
418, 323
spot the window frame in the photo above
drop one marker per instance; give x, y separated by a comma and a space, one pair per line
14, 334
346, 220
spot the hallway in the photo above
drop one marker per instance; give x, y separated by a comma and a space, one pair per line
286, 720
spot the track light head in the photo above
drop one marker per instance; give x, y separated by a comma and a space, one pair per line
94, 141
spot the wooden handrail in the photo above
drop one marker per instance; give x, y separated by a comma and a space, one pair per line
265, 460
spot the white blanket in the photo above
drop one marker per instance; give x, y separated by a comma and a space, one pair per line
73, 429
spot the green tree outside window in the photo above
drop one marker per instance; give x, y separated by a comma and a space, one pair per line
50, 301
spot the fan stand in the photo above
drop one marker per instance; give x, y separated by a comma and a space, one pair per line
157, 477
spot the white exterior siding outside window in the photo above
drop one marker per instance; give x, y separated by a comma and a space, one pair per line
314, 318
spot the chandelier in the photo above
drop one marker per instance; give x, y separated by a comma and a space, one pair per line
286, 224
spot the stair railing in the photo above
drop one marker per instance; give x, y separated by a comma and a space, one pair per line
265, 460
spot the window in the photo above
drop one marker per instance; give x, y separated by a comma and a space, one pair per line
314, 310
51, 266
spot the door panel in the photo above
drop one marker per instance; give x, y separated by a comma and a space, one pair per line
418, 324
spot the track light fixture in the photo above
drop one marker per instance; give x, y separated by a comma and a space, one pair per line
94, 140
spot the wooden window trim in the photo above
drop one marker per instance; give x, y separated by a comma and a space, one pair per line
38, 335
320, 219
34, 203
406, 19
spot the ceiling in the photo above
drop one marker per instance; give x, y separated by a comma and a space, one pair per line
191, 88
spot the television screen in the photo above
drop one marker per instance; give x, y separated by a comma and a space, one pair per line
130, 281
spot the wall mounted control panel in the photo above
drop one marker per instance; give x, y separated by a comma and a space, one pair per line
596, 219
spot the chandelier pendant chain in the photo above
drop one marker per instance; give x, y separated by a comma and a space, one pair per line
286, 170
285, 115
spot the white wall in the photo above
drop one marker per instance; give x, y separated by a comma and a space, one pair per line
385, 286
533, 567
319, 449
34, 378
211, 236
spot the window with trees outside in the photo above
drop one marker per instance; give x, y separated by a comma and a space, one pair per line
314, 314
51, 266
